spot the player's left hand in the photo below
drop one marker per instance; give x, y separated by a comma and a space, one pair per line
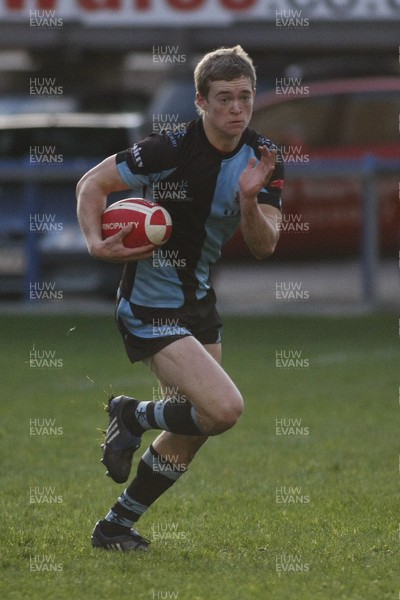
257, 173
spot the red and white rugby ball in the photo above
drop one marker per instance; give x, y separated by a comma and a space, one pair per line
151, 222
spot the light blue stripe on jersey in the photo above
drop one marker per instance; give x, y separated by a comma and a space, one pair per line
225, 213
138, 180
157, 286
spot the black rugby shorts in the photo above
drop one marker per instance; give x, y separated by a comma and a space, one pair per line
144, 337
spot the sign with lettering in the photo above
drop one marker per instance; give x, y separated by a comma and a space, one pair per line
284, 13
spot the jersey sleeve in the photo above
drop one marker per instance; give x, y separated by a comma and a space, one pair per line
148, 161
272, 192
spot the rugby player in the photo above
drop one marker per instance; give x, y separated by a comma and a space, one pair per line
230, 175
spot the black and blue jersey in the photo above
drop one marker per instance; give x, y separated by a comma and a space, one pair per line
199, 186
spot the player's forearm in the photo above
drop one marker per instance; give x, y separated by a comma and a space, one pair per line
92, 192
260, 231
91, 202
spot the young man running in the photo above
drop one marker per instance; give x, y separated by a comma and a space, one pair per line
230, 176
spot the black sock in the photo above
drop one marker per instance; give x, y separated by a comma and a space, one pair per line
155, 475
169, 415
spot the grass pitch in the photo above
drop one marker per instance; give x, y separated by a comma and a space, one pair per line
298, 501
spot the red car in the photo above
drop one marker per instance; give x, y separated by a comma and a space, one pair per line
318, 124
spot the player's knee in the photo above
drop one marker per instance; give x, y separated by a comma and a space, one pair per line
227, 415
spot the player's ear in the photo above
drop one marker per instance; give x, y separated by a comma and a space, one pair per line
200, 101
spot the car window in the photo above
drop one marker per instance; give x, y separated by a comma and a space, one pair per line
329, 121
303, 121
70, 142
372, 118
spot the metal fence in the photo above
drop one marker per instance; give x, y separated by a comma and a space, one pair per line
366, 170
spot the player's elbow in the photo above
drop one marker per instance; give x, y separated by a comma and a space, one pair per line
262, 255
264, 251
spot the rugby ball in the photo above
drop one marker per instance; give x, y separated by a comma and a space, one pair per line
151, 222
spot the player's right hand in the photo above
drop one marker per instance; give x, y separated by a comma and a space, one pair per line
112, 249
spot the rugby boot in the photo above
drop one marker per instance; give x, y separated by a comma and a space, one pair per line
119, 444
125, 542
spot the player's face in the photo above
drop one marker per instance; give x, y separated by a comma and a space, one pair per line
227, 108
